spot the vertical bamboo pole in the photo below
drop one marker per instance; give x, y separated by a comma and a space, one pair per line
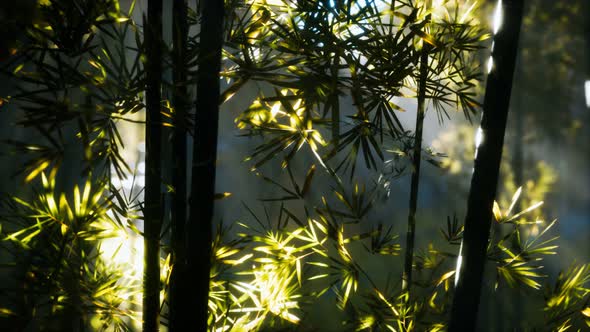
153, 135
204, 158
179, 305
484, 182
416, 159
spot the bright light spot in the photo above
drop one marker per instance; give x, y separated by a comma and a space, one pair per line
140, 181
467, 13
498, 17
256, 54
438, 3
141, 146
125, 250
459, 261
127, 184
275, 293
116, 182
587, 92
141, 167
490, 64
478, 137
297, 106
228, 97
275, 109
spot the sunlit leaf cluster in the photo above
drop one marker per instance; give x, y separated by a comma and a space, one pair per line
567, 300
75, 76
59, 270
313, 53
518, 254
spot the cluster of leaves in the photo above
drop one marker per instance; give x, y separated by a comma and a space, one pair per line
517, 254
75, 77
60, 276
518, 245
313, 52
568, 300
307, 56
295, 262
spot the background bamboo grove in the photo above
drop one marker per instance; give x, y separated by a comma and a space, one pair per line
245, 165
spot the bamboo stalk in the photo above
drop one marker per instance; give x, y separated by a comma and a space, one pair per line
153, 134
416, 160
179, 303
204, 158
486, 171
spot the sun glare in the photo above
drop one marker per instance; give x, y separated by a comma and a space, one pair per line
498, 17
459, 262
478, 137
124, 250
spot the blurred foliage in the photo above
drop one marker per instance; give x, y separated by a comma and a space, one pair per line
457, 160
551, 72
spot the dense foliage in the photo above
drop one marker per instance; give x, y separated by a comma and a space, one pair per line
331, 79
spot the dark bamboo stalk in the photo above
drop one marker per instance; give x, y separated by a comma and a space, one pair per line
179, 303
416, 159
153, 135
486, 170
204, 158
